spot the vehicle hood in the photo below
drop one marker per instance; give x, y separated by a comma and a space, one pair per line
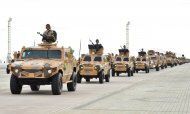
92, 63
36, 63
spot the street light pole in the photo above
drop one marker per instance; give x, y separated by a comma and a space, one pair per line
127, 35
9, 41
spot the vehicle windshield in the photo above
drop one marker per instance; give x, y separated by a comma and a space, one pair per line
153, 58
138, 59
144, 59
118, 59
98, 59
125, 59
46, 54
87, 58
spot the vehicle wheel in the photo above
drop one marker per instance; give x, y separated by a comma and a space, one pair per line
72, 85
146, 69
132, 73
157, 68
35, 87
166, 66
8, 71
128, 72
57, 84
133, 70
101, 77
79, 78
113, 72
137, 71
87, 79
107, 77
162, 67
117, 73
15, 87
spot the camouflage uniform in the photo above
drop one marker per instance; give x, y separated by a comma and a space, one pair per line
49, 35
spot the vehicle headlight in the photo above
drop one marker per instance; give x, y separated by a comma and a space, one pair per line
16, 70
97, 67
81, 67
50, 71
115, 65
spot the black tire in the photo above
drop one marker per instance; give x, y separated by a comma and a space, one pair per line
57, 84
113, 72
146, 69
128, 72
107, 77
72, 85
35, 87
8, 71
136, 71
117, 73
157, 68
132, 73
87, 79
133, 70
79, 78
101, 77
15, 87
166, 66
162, 67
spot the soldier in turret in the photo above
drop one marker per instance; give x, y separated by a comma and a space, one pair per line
97, 45
49, 35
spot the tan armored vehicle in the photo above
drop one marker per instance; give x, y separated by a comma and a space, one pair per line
94, 65
176, 61
181, 59
142, 62
154, 60
45, 64
163, 61
123, 63
169, 58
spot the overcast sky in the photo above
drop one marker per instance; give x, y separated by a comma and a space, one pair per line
163, 25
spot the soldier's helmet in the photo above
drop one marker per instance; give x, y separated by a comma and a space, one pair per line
97, 41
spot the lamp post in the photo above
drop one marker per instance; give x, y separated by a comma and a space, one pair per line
9, 41
127, 35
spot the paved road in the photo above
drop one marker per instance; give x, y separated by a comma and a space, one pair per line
163, 92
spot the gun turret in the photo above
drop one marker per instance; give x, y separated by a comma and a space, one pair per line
95, 48
142, 52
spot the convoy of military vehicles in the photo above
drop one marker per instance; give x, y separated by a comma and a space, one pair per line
48, 64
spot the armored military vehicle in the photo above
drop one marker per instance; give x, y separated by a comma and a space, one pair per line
181, 59
154, 60
163, 61
176, 61
169, 58
123, 63
142, 62
45, 64
94, 65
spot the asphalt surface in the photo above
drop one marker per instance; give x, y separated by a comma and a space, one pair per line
162, 92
